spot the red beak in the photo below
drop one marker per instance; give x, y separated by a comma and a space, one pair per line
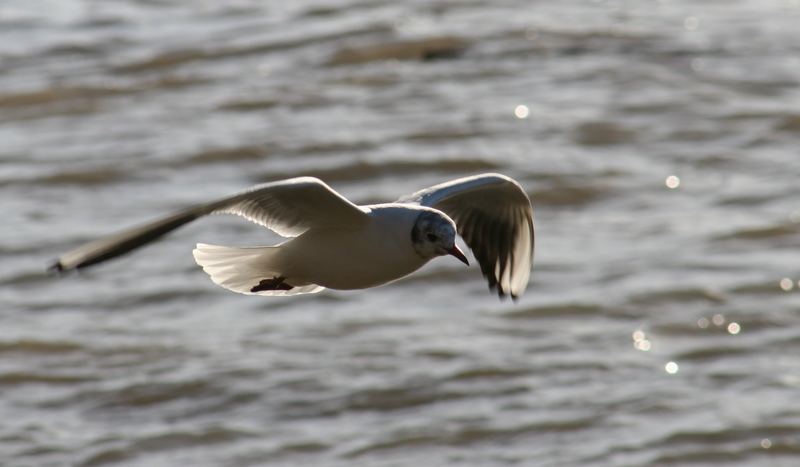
456, 251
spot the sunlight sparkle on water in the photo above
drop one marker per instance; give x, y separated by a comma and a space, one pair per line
786, 284
521, 111
671, 368
718, 319
640, 341
766, 443
672, 182
734, 328
691, 23
703, 323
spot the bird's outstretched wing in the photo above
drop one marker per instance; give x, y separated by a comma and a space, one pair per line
495, 218
288, 207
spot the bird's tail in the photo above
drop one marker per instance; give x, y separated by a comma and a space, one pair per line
249, 271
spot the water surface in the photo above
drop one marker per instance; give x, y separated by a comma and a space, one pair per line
658, 141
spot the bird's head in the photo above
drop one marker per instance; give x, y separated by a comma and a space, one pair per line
434, 234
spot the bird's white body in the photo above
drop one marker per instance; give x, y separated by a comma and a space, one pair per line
358, 257
367, 253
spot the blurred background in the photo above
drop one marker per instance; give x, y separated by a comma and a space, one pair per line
658, 141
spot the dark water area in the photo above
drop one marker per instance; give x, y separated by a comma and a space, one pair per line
658, 141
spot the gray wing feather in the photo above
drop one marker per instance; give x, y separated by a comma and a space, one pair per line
288, 207
494, 217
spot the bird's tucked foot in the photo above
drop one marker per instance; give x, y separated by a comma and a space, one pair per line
273, 283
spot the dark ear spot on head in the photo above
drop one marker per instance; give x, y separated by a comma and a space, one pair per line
416, 233
426, 221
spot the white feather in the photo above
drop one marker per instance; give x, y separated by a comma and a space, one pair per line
241, 269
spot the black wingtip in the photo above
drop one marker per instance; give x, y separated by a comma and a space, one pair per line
501, 294
56, 268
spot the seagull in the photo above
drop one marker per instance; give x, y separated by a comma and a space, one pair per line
333, 243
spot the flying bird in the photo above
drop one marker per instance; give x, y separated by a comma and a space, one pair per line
336, 244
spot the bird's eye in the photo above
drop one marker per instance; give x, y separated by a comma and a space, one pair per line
431, 237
